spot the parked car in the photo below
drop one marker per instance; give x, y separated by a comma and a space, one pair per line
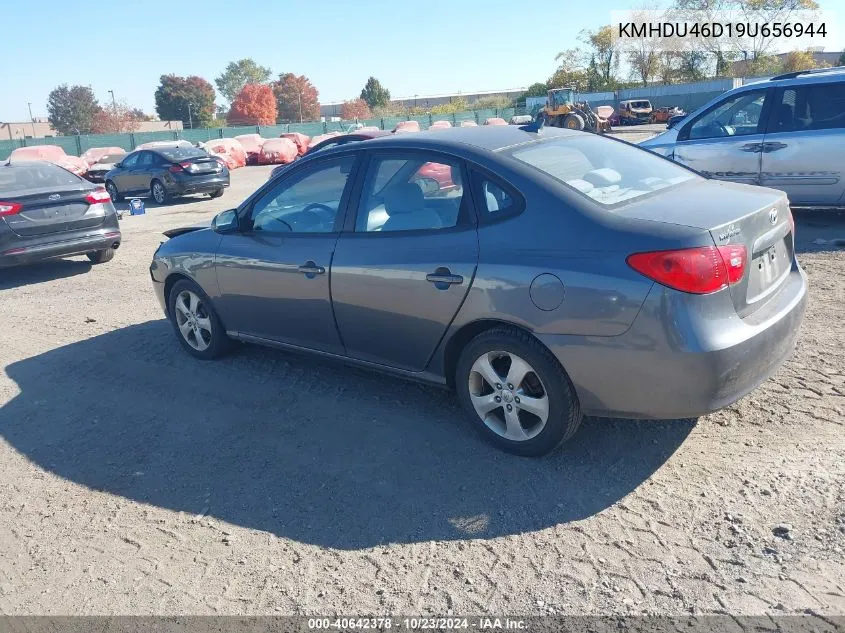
787, 133
94, 154
674, 120
583, 275
51, 153
634, 111
495, 120
47, 212
103, 165
167, 172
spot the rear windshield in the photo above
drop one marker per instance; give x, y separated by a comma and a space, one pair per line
109, 159
606, 171
182, 153
22, 177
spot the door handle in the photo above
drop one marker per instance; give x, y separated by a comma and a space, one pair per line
752, 147
310, 268
773, 147
444, 276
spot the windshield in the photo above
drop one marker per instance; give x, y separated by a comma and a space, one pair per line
181, 153
606, 171
640, 104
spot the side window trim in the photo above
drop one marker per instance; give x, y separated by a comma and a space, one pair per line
683, 133
467, 217
298, 173
479, 175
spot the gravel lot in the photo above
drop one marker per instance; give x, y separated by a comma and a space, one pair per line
135, 480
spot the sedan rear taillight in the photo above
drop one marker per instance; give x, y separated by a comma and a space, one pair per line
177, 168
9, 208
696, 270
97, 196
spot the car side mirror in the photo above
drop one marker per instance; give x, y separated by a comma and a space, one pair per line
225, 222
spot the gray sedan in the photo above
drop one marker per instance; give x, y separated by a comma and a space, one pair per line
542, 275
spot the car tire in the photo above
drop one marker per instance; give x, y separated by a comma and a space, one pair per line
114, 194
158, 192
101, 257
204, 337
216, 193
543, 407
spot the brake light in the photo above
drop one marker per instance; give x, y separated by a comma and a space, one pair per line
97, 196
10, 208
695, 270
176, 168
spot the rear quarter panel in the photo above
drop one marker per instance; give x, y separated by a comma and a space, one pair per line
561, 235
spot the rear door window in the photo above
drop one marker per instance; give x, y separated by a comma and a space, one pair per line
494, 198
809, 107
411, 192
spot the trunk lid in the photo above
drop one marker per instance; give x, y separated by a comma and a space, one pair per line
755, 217
201, 166
47, 210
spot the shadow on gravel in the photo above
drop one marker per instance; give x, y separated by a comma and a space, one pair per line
819, 230
305, 449
38, 273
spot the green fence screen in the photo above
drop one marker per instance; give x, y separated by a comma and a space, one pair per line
77, 145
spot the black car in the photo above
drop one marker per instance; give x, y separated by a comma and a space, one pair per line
97, 172
46, 212
167, 172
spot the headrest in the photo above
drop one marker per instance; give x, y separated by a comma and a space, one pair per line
404, 198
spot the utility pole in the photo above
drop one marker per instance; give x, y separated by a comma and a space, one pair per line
299, 96
31, 120
113, 104
190, 120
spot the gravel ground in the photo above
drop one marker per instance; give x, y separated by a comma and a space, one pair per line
135, 480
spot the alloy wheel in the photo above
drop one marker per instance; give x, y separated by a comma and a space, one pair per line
508, 396
158, 192
193, 320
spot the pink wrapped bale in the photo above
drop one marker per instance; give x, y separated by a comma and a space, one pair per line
229, 149
277, 151
300, 140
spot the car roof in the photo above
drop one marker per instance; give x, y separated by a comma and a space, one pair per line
817, 76
490, 138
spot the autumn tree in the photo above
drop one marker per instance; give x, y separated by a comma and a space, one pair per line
238, 74
355, 109
800, 60
255, 104
71, 109
188, 99
376, 95
296, 99
116, 119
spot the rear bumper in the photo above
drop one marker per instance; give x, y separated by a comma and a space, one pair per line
49, 247
180, 185
678, 360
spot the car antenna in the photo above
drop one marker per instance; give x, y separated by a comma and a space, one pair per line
536, 125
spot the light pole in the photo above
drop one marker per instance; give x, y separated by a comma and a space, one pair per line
190, 120
299, 96
31, 120
113, 104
